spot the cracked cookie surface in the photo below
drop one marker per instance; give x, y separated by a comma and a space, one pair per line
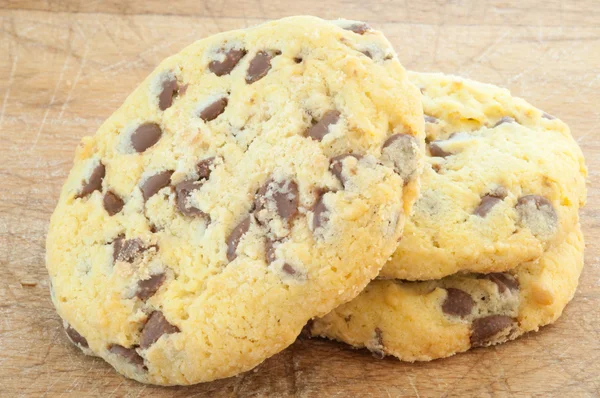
421, 321
255, 180
503, 182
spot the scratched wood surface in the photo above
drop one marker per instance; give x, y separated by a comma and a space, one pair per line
67, 65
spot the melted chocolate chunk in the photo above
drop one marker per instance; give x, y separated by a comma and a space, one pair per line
503, 281
117, 245
458, 302
376, 346
537, 213
358, 28
129, 354
336, 166
183, 190
288, 269
403, 152
128, 250
156, 326
486, 204
169, 90
231, 58
94, 182
281, 196
483, 330
182, 90
436, 151
204, 168
270, 255
148, 287
155, 183
235, 236
505, 119
145, 136
320, 213
75, 337
321, 128
112, 203
259, 67
213, 110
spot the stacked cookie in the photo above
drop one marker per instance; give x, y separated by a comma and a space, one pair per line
493, 248
260, 179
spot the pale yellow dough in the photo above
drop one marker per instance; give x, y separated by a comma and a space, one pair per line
532, 154
407, 320
219, 313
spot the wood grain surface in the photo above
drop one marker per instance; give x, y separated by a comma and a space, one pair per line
67, 65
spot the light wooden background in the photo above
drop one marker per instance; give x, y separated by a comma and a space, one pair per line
67, 65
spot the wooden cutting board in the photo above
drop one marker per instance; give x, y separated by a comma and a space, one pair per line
67, 65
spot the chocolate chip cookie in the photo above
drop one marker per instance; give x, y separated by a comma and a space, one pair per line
503, 182
254, 180
421, 321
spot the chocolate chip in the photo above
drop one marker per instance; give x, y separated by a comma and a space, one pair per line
270, 255
336, 165
359, 28
127, 250
505, 119
259, 67
182, 90
75, 337
402, 151
235, 236
117, 245
204, 168
502, 280
155, 183
376, 345
130, 354
548, 116
112, 203
458, 302
498, 192
148, 287
318, 130
436, 151
212, 111
431, 119
484, 329
320, 213
297, 59
94, 182
156, 326
537, 213
230, 60
183, 190
486, 204
280, 197
288, 269
169, 89
145, 136
367, 53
